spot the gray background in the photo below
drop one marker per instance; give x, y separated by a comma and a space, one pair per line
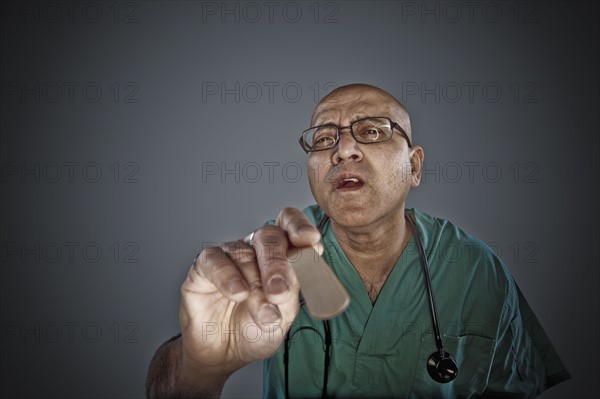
133, 133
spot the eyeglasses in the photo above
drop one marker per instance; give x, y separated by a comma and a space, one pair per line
376, 129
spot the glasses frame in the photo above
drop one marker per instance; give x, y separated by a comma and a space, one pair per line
393, 126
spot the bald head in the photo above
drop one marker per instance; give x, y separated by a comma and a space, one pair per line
360, 98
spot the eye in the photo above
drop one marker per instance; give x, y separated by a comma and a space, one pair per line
324, 137
370, 134
323, 140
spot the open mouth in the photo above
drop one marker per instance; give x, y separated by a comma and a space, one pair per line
349, 183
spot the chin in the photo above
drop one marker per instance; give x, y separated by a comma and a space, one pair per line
352, 217
357, 214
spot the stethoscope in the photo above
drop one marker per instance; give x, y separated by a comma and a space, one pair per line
441, 366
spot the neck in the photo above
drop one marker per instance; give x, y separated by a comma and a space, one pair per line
374, 249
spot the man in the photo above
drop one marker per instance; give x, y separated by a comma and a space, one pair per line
362, 165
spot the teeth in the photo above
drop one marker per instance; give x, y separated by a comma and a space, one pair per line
352, 179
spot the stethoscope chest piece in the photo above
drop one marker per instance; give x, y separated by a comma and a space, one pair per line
442, 367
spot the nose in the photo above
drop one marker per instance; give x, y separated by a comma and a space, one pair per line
346, 148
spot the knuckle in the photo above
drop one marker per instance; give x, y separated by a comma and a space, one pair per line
232, 247
274, 262
269, 233
220, 273
210, 254
285, 215
243, 255
295, 221
255, 285
211, 259
228, 245
272, 251
288, 211
278, 268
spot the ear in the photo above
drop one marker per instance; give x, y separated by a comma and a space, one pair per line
417, 156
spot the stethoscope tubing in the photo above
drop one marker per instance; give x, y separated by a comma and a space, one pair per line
436, 360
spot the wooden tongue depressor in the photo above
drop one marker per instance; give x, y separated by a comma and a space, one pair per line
323, 293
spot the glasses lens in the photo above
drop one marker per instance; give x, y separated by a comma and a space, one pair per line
320, 138
372, 130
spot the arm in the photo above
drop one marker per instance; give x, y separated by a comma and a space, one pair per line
232, 290
525, 363
167, 379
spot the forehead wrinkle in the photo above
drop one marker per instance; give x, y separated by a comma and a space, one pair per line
342, 101
333, 114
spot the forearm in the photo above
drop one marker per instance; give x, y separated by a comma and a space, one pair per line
168, 378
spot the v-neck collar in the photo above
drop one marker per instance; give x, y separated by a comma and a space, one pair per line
364, 314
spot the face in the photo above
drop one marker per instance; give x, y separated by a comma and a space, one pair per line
361, 184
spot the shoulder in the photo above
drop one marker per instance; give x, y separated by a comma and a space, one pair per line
454, 250
436, 231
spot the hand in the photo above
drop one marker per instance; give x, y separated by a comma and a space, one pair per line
238, 300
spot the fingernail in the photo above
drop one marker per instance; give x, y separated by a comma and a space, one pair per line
268, 313
235, 286
308, 229
277, 285
303, 229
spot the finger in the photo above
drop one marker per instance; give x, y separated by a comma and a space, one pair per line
301, 232
248, 239
214, 265
245, 259
277, 276
261, 310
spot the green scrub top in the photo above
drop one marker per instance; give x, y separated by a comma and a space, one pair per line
381, 349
